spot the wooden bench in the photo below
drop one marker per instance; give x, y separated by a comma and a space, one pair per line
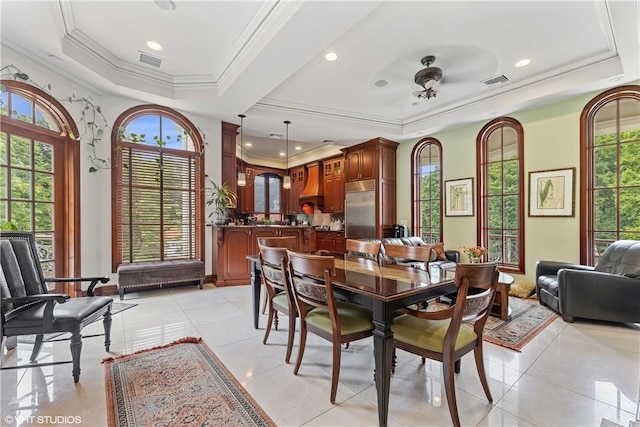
159, 273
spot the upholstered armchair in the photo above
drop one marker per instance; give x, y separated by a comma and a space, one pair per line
609, 291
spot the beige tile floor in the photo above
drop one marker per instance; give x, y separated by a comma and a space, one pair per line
580, 374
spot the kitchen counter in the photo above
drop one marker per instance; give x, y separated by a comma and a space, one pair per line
232, 244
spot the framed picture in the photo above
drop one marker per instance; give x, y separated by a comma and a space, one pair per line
458, 197
551, 192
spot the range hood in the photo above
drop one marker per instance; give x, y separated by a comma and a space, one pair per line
312, 194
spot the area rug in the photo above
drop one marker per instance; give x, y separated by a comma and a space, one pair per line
528, 318
178, 384
116, 308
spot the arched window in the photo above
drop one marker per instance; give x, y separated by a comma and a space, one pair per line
426, 190
501, 192
157, 186
39, 175
609, 171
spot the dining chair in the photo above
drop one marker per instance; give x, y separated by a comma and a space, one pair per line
337, 321
287, 242
273, 261
27, 308
416, 255
363, 248
448, 334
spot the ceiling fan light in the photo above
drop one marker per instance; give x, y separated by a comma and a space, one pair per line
428, 77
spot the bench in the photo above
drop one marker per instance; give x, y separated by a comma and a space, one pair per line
159, 273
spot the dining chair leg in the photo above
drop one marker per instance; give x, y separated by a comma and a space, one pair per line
303, 342
477, 352
450, 390
335, 374
270, 316
36, 347
290, 337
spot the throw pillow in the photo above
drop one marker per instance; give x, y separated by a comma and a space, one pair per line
433, 255
439, 248
522, 289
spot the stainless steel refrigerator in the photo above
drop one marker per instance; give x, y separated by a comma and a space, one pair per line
360, 209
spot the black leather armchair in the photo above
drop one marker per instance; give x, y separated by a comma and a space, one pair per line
28, 309
609, 291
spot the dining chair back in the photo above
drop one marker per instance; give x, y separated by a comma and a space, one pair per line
363, 248
27, 308
419, 255
337, 321
273, 263
287, 242
447, 335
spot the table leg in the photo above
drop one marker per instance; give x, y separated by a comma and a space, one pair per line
383, 352
256, 284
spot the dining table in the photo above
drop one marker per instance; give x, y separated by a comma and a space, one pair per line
382, 286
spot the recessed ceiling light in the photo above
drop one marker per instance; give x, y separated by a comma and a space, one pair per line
169, 5
381, 83
331, 56
248, 144
282, 153
523, 62
154, 45
298, 147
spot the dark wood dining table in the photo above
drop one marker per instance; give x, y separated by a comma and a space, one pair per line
383, 287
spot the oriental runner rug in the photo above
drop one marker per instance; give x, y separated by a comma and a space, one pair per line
182, 383
528, 318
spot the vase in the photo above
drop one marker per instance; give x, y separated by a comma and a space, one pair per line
475, 259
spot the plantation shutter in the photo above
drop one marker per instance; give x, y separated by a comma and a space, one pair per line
157, 203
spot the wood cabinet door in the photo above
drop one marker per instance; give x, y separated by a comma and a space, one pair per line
298, 233
340, 245
352, 166
329, 202
235, 248
337, 193
261, 232
368, 163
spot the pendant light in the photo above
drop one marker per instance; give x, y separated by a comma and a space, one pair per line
286, 181
242, 178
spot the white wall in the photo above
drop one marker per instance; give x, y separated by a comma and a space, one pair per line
95, 188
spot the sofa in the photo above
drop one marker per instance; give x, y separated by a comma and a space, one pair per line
445, 261
609, 291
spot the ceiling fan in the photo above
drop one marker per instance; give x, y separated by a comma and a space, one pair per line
427, 78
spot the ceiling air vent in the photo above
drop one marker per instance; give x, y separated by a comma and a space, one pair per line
502, 78
275, 135
329, 141
145, 58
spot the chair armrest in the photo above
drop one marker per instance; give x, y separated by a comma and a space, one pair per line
583, 292
550, 268
27, 301
94, 281
452, 255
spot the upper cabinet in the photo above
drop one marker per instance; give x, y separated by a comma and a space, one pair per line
361, 163
298, 179
333, 183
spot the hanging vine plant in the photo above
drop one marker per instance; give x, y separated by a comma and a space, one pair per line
93, 120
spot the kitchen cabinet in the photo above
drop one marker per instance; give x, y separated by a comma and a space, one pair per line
232, 244
375, 160
333, 241
333, 183
361, 163
298, 180
246, 194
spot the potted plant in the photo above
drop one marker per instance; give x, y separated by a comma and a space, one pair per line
222, 198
